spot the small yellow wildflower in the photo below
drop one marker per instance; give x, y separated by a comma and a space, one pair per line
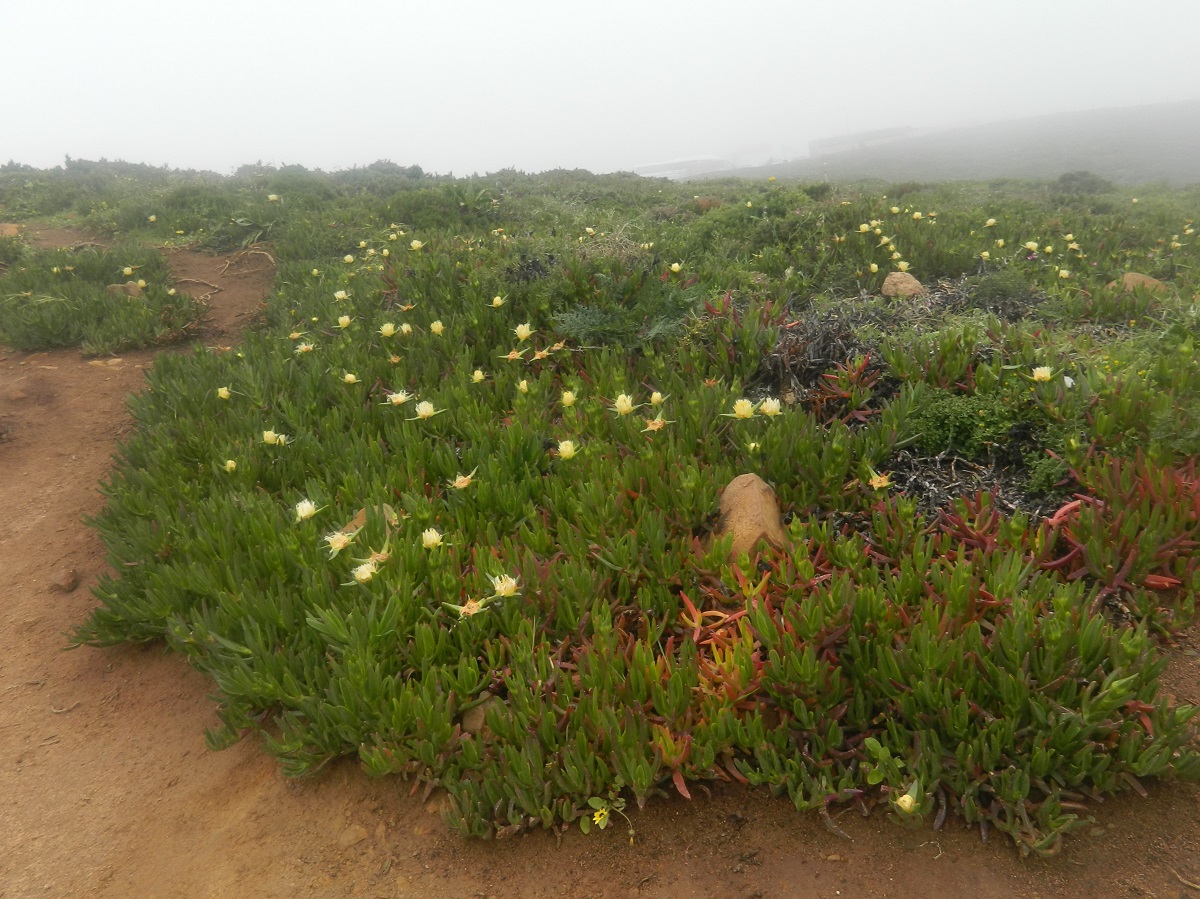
1041, 373
364, 572
399, 398
344, 321
497, 302
503, 585
305, 509
477, 376
676, 267
349, 378
388, 329
341, 295
431, 538
770, 407
417, 244
425, 410
568, 398
523, 385
989, 223
902, 265
742, 408
463, 481
566, 449
906, 803
223, 393
230, 466
523, 331
624, 404
437, 328
302, 348
656, 399
348, 258
880, 481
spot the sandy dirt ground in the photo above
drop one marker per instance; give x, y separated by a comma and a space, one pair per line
107, 788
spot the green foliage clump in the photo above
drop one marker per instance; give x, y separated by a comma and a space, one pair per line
60, 298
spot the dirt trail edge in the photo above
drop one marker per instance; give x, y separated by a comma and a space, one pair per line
108, 790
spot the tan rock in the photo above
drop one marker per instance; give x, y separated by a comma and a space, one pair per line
128, 289
65, 580
352, 836
902, 284
474, 717
750, 511
1131, 281
8, 229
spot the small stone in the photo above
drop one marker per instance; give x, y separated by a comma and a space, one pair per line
352, 836
16, 395
65, 580
128, 289
473, 718
902, 284
8, 229
750, 511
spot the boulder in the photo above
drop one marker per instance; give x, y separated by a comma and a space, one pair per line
128, 289
1131, 281
902, 284
750, 512
8, 229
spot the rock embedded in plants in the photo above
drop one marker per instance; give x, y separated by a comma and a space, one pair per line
750, 512
128, 289
9, 229
902, 284
1131, 281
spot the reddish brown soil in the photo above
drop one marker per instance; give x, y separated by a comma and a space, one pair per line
107, 788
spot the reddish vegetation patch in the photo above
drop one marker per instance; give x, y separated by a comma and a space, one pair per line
108, 789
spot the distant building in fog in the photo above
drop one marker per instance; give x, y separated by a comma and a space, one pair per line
684, 168
859, 141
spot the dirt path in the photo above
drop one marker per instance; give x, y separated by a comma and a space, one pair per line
107, 788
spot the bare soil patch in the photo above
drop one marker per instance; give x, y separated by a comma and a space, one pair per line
108, 789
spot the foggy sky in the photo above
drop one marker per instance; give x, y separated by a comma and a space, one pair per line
463, 86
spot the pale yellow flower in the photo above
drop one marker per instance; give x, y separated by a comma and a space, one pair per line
989, 223
349, 378
656, 399
341, 295
523, 331
364, 572
566, 449
437, 328
1049, 249
906, 803
152, 219
388, 329
770, 407
916, 216
864, 228
902, 265
1068, 237
497, 302
405, 329
895, 210
223, 393
127, 271
503, 586
431, 538
425, 410
1041, 373
171, 292
985, 255
417, 244
1000, 244
568, 398
230, 466
874, 267
348, 258
676, 267
523, 385
270, 438
477, 376
305, 509
337, 541
344, 321
317, 271
1031, 246
742, 408
272, 198
302, 348
1064, 273
463, 481
624, 404
399, 398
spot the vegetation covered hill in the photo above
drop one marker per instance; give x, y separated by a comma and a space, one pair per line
1130, 145
450, 507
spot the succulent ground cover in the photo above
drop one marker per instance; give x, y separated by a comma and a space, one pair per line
469, 464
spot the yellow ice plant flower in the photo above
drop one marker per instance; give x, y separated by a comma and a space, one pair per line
902, 265
399, 398
742, 408
1048, 249
364, 572
223, 393
417, 244
916, 216
477, 376
568, 398
349, 378
230, 466
1041, 373
171, 292
344, 321
270, 438
1073, 246
770, 407
1031, 246
880, 481
405, 329
497, 302
431, 538
463, 481
540, 355
468, 609
393, 236
305, 509
337, 541
676, 267
362, 244
437, 328
523, 385
656, 399
348, 258
513, 355
655, 424
385, 252
864, 228
895, 210
503, 586
523, 331
127, 271
567, 449
624, 404
388, 329
302, 348
906, 803
425, 410
874, 267
1000, 244
1064, 273
317, 271
341, 295
990, 223
152, 219
985, 255
1068, 237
